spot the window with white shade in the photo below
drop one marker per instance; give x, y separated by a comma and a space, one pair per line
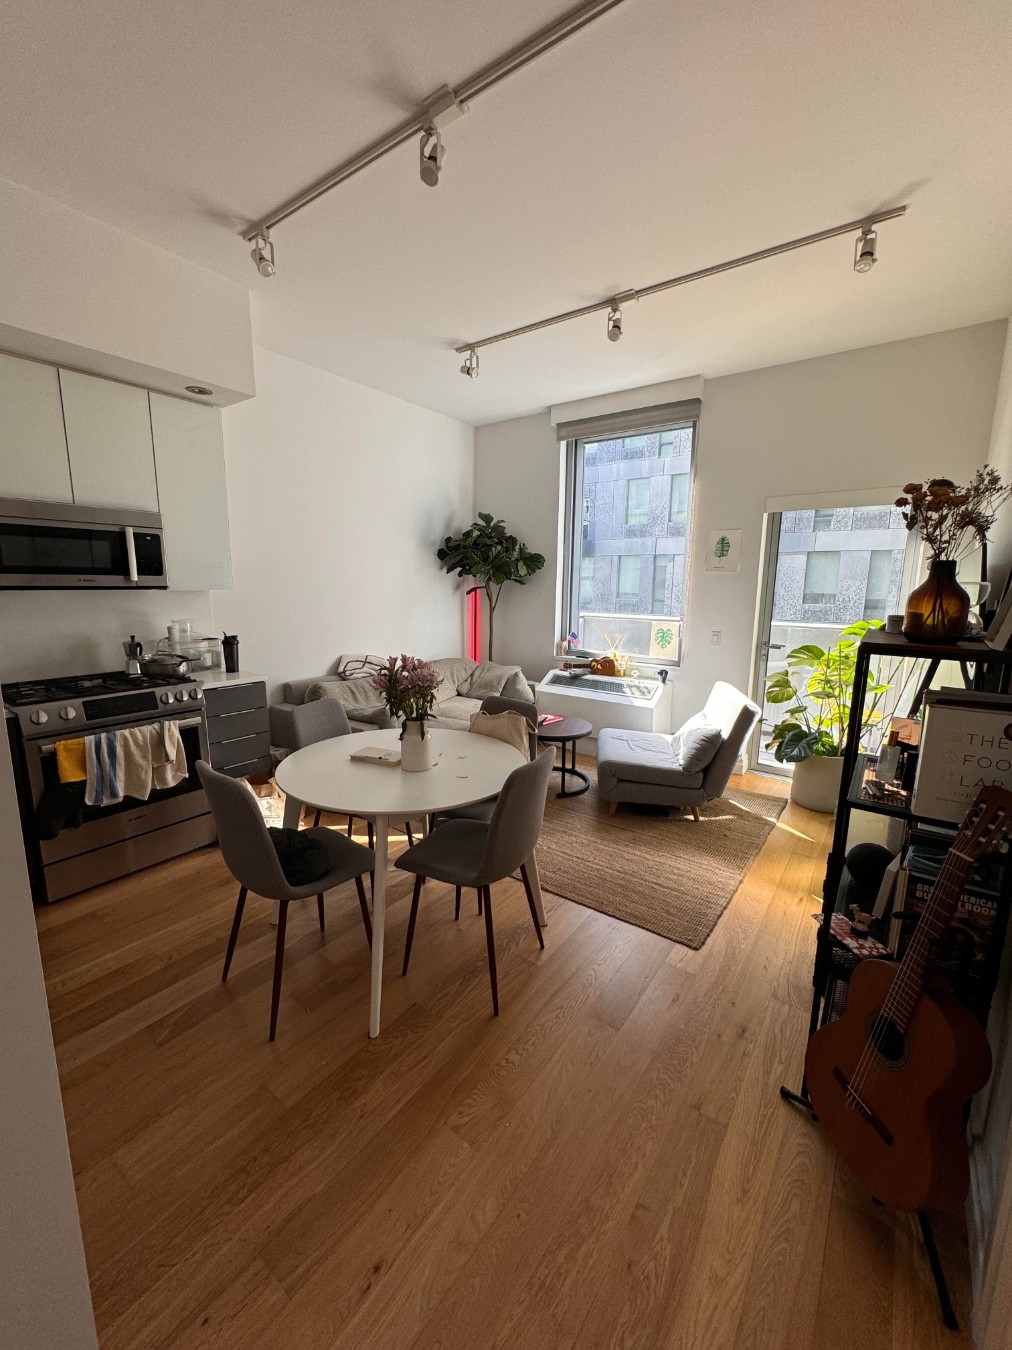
822, 578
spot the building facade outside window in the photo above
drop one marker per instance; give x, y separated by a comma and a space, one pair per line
630, 539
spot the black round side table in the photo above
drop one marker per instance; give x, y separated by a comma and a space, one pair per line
567, 733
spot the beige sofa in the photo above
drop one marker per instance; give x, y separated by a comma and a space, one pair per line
464, 684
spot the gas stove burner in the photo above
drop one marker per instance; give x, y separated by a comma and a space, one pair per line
25, 693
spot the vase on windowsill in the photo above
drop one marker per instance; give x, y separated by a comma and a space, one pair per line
938, 610
416, 745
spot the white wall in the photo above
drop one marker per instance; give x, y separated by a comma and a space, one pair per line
49, 633
859, 419
80, 293
44, 1298
338, 498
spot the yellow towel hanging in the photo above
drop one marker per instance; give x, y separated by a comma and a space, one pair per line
70, 763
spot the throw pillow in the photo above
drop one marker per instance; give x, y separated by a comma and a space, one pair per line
302, 858
695, 743
488, 678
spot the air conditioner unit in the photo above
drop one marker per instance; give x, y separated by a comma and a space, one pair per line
640, 703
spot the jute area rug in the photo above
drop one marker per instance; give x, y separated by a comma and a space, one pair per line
672, 876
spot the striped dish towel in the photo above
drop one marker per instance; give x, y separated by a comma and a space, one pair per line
102, 787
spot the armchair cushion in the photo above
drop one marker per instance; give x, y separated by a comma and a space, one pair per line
695, 743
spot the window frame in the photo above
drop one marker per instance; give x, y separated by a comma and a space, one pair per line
573, 530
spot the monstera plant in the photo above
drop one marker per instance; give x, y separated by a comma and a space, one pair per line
491, 555
818, 684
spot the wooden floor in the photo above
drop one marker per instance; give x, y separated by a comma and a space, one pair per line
607, 1164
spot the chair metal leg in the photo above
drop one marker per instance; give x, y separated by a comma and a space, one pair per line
240, 905
351, 826
319, 907
363, 905
480, 893
456, 902
407, 831
279, 962
316, 819
372, 835
416, 893
490, 940
530, 900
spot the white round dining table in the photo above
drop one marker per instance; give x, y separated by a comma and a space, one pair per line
469, 768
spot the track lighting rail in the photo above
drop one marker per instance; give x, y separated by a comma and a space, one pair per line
486, 78
613, 302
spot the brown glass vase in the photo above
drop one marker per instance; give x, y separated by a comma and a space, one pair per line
939, 608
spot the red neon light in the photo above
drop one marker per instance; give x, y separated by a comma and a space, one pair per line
474, 626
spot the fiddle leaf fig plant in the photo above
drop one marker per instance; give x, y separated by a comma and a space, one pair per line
493, 556
819, 686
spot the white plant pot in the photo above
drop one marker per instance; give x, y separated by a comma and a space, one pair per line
816, 782
416, 747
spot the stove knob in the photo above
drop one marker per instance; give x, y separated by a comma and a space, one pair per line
166, 697
68, 713
195, 693
179, 695
38, 717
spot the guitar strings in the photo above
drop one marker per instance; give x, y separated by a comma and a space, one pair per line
903, 984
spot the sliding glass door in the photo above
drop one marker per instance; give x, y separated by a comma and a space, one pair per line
825, 569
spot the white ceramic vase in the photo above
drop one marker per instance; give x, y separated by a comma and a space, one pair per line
815, 782
416, 746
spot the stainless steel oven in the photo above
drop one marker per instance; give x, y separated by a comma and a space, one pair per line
49, 546
114, 840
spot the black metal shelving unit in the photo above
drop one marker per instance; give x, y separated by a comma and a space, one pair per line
981, 668
976, 660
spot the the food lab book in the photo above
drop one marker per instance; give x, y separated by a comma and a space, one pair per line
966, 744
377, 754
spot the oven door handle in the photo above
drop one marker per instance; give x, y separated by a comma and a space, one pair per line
49, 747
128, 534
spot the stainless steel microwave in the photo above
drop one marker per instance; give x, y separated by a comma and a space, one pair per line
51, 546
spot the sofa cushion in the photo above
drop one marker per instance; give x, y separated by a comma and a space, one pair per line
695, 743
640, 757
360, 695
490, 678
459, 709
455, 671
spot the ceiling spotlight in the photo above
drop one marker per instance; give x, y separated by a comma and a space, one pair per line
262, 254
866, 250
431, 154
470, 366
614, 323
200, 389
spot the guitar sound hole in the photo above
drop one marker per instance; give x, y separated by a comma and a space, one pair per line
887, 1039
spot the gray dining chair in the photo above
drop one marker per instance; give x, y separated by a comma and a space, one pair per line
482, 811
250, 856
322, 720
475, 853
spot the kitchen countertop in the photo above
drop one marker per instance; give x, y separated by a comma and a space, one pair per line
218, 679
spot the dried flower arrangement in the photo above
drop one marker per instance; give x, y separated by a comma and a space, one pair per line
953, 521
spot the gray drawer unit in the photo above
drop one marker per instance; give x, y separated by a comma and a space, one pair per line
238, 731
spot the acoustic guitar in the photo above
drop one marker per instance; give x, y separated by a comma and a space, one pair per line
890, 1079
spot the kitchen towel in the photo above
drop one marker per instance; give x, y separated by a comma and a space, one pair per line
101, 759
70, 760
151, 758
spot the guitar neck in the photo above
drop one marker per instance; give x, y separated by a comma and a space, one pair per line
931, 926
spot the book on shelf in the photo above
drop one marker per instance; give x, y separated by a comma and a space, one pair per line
966, 744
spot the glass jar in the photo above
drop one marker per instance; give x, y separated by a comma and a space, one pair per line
938, 609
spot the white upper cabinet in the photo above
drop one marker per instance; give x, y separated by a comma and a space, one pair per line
191, 485
109, 440
33, 445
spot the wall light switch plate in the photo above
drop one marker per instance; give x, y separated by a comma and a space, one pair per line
715, 637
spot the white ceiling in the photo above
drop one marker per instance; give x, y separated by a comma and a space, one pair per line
663, 138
